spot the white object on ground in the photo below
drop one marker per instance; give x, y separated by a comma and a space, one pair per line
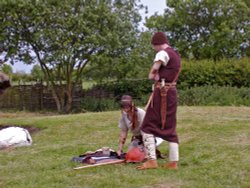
158, 141
14, 136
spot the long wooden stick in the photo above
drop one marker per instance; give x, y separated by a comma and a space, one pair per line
149, 100
100, 164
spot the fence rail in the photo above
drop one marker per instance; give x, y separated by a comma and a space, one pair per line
38, 97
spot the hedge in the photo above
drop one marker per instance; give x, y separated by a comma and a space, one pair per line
196, 96
215, 96
233, 72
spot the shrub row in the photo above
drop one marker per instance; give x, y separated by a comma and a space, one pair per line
215, 96
196, 96
93, 104
135, 88
225, 82
233, 72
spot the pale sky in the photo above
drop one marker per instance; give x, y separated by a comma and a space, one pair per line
153, 6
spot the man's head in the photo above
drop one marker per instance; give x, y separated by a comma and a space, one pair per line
159, 41
159, 38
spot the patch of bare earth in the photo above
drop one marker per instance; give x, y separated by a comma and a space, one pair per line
24, 114
166, 185
242, 140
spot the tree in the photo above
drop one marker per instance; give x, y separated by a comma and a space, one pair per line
205, 28
7, 69
37, 73
134, 64
64, 37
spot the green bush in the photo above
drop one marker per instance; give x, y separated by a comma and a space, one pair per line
93, 104
225, 82
135, 88
97, 105
215, 96
196, 96
234, 72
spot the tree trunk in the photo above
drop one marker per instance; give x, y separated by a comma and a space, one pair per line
68, 100
63, 97
57, 100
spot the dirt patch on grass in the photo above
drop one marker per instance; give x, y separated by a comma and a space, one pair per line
166, 185
31, 129
239, 139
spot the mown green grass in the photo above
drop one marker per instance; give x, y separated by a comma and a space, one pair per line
214, 151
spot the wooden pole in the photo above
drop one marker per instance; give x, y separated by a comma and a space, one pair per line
100, 164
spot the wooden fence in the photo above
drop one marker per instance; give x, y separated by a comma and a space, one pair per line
38, 97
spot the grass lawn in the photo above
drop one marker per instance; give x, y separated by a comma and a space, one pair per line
214, 151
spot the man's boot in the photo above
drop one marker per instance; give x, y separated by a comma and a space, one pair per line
149, 164
171, 165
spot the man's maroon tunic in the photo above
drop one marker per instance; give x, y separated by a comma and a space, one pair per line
152, 121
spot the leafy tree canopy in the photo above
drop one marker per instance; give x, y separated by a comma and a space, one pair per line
6, 69
65, 37
203, 29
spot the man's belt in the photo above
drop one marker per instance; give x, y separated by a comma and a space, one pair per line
164, 87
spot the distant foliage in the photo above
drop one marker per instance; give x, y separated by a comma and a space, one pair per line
97, 105
21, 77
221, 83
204, 29
135, 88
235, 73
215, 96
196, 96
226, 72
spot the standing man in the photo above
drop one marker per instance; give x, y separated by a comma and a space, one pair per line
160, 118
